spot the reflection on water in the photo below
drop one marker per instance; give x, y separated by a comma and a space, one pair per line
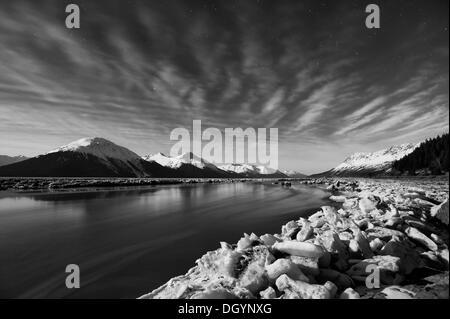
128, 242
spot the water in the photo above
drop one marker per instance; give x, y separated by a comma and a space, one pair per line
129, 242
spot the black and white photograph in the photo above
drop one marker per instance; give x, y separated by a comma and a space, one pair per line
255, 150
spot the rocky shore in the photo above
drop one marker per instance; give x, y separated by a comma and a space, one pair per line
382, 239
50, 183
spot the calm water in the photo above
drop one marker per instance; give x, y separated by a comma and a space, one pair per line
129, 242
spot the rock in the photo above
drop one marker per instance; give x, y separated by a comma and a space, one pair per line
331, 216
395, 292
420, 238
393, 222
219, 262
437, 239
440, 212
309, 266
338, 250
437, 288
363, 244
302, 249
376, 244
268, 239
350, 203
388, 267
345, 236
353, 247
284, 266
253, 276
401, 248
349, 293
268, 293
306, 232
420, 225
301, 289
443, 254
331, 288
317, 219
244, 243
382, 233
341, 280
288, 230
368, 204
338, 199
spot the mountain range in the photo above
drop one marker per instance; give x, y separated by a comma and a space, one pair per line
370, 164
98, 157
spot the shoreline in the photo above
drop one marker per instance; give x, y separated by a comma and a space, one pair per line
397, 228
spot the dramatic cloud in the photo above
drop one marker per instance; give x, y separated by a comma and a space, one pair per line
135, 70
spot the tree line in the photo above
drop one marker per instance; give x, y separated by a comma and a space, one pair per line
430, 158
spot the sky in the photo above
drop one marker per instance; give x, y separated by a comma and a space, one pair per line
136, 70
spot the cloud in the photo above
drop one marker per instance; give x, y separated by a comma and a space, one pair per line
136, 70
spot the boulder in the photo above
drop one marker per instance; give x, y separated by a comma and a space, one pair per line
369, 203
284, 266
388, 267
301, 249
440, 212
420, 238
268, 293
309, 266
341, 280
338, 250
268, 239
395, 292
288, 230
350, 203
338, 199
306, 232
402, 248
363, 244
382, 233
376, 244
349, 293
251, 270
301, 289
332, 288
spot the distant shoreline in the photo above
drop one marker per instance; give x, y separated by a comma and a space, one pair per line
60, 183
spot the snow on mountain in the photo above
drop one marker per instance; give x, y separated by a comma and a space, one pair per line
238, 168
292, 173
178, 161
87, 157
376, 162
250, 170
99, 147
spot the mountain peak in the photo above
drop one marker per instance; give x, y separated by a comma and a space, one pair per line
99, 147
379, 161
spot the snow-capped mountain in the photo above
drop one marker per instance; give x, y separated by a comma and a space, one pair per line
187, 165
252, 170
6, 160
380, 162
87, 157
98, 157
178, 161
99, 147
293, 174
